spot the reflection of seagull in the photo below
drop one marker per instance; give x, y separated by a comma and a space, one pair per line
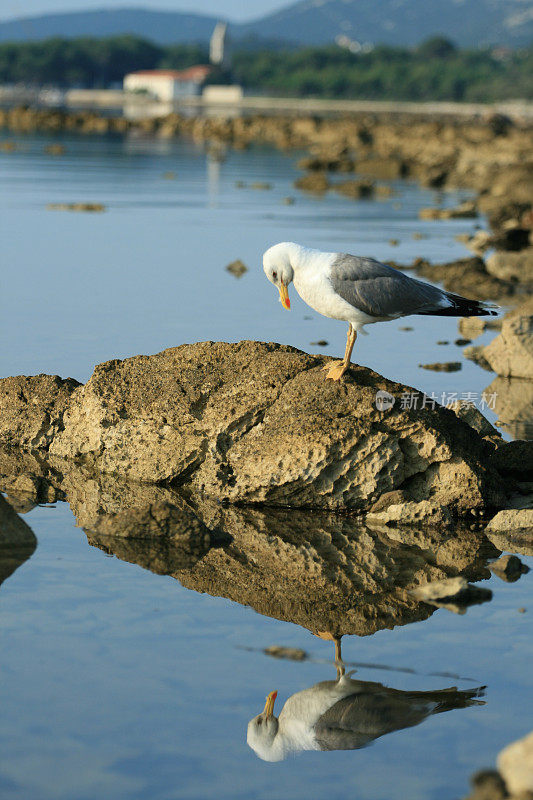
345, 714
358, 290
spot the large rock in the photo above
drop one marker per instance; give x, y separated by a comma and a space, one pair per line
258, 423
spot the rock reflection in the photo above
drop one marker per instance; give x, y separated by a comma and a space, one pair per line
17, 541
346, 714
514, 405
327, 573
161, 537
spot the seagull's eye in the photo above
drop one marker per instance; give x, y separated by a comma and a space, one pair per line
275, 275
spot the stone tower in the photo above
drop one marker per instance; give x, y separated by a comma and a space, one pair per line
219, 47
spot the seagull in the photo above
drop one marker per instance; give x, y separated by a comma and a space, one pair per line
359, 290
345, 714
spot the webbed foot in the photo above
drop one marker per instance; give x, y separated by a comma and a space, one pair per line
336, 370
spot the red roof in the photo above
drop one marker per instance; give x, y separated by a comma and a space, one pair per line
197, 73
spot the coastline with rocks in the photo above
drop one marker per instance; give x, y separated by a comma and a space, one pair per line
228, 492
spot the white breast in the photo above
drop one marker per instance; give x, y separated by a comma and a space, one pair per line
311, 281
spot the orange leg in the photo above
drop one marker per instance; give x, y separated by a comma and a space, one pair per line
338, 368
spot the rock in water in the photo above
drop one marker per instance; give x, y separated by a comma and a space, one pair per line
511, 353
515, 764
258, 423
509, 568
237, 268
443, 366
292, 653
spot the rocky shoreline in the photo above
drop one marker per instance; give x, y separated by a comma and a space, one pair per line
490, 155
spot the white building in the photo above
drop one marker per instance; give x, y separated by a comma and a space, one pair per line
167, 84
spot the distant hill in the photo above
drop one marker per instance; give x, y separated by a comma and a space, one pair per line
469, 23
163, 27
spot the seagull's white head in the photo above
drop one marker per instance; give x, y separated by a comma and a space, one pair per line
278, 269
262, 731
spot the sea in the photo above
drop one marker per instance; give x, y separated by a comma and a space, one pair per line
119, 683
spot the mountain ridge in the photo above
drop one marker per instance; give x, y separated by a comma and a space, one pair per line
469, 23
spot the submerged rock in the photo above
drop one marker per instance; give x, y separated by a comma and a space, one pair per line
356, 189
237, 268
55, 149
315, 182
291, 653
466, 210
476, 353
76, 207
443, 366
258, 423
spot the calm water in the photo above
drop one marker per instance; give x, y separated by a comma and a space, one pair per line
118, 682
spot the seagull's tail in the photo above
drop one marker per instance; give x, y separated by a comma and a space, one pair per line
453, 305
448, 699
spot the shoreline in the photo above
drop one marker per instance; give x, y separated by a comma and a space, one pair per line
468, 149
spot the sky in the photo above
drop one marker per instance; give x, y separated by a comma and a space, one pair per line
239, 10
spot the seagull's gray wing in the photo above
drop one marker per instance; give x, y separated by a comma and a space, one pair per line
358, 719
381, 291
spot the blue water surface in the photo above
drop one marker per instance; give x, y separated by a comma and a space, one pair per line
119, 683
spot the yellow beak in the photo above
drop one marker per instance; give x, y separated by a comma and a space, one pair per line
284, 296
269, 705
